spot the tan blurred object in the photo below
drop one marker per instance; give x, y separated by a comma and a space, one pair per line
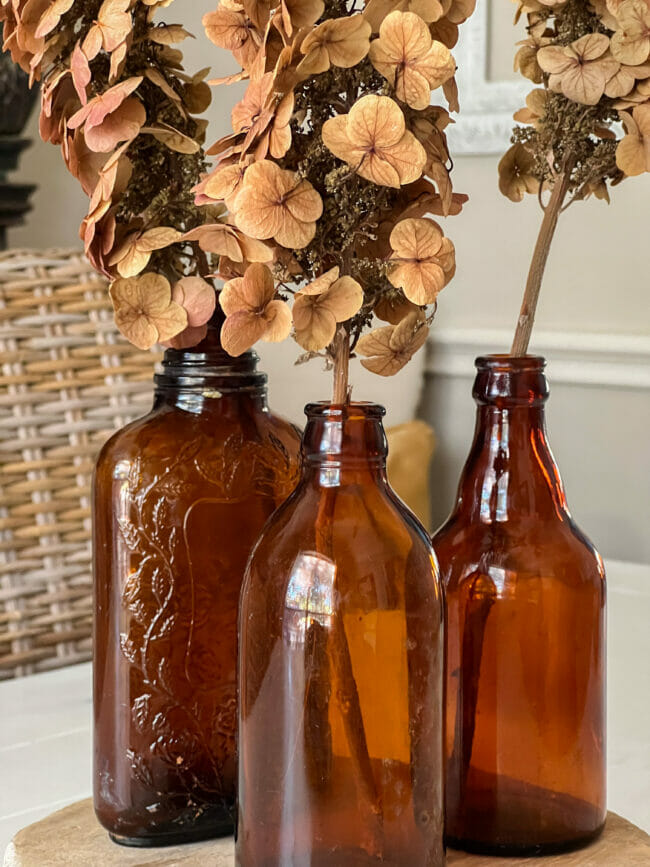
67, 381
410, 449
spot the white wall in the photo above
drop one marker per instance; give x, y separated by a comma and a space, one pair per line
597, 282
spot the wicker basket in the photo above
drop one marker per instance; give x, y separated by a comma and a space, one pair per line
67, 380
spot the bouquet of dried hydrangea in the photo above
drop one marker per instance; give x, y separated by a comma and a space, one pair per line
592, 62
335, 158
117, 101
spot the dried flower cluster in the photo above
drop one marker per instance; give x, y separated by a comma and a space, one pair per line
591, 61
335, 158
116, 99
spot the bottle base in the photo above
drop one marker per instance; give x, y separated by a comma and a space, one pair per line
523, 849
173, 838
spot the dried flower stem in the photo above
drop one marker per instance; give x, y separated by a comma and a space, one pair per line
347, 694
341, 355
538, 263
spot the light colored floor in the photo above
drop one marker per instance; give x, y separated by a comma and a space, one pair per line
45, 721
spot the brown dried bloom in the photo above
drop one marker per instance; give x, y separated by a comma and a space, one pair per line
133, 255
144, 310
633, 153
373, 139
580, 70
631, 41
516, 173
423, 260
333, 146
274, 203
408, 57
593, 58
116, 99
340, 42
252, 311
198, 299
321, 305
390, 348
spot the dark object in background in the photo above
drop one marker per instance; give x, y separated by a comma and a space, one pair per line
16, 104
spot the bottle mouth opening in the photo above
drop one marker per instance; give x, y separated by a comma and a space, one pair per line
353, 411
504, 363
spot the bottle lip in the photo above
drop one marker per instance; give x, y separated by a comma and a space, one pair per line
504, 363
209, 371
352, 411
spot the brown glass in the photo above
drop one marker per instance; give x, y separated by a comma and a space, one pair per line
525, 591
180, 497
341, 657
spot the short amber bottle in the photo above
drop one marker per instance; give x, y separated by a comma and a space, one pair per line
341, 656
180, 497
525, 591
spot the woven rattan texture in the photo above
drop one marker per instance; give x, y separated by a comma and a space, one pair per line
67, 381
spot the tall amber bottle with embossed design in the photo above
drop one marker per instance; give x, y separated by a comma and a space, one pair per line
180, 497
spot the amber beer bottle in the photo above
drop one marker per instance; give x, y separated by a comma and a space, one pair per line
180, 497
525, 591
341, 655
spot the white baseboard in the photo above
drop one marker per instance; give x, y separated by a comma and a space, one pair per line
610, 360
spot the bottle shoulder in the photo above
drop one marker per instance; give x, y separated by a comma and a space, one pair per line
521, 550
366, 529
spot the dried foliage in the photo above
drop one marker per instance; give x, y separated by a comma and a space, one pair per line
334, 160
117, 101
592, 60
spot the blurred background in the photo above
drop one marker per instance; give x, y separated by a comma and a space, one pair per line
593, 323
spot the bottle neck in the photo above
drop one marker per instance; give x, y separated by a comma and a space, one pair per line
344, 445
205, 376
510, 472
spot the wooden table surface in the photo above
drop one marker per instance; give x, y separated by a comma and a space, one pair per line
72, 837
45, 723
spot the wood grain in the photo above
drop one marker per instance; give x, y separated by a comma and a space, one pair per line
73, 838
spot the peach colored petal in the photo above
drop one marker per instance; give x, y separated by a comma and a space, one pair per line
191, 336
240, 331
121, 125
278, 322
197, 297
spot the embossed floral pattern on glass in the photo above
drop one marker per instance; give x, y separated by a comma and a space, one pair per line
180, 498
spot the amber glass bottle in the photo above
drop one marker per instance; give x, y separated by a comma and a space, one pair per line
525, 589
180, 497
341, 655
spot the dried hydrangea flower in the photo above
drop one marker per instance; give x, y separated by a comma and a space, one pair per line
516, 175
580, 70
594, 62
631, 41
333, 144
340, 42
321, 305
133, 255
633, 152
274, 203
373, 139
252, 311
423, 260
387, 350
407, 56
144, 310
